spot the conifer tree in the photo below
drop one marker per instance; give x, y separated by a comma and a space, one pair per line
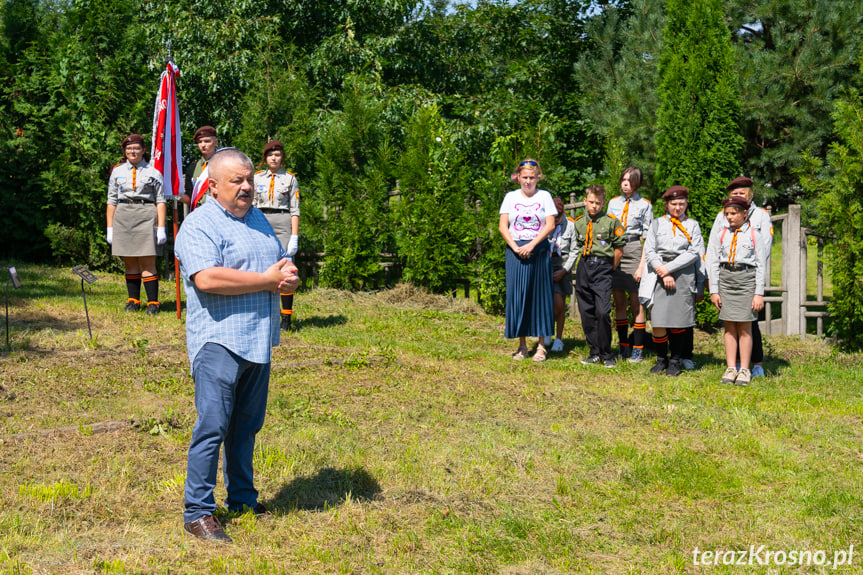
698, 141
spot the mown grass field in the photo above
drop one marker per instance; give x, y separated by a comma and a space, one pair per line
401, 438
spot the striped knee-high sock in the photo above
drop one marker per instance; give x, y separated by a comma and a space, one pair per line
133, 287
623, 334
676, 342
151, 286
639, 335
660, 344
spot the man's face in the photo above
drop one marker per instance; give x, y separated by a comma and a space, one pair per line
593, 204
207, 145
233, 186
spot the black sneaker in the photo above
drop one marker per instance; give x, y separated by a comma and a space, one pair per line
132, 306
624, 352
673, 368
592, 360
285, 324
661, 365
153, 309
609, 362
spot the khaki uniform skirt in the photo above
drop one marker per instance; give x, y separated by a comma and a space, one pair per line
675, 308
622, 278
134, 231
281, 222
736, 289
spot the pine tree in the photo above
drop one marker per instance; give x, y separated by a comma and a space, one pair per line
698, 141
839, 189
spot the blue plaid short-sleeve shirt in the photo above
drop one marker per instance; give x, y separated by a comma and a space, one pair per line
246, 324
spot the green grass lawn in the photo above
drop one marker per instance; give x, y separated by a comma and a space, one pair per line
401, 438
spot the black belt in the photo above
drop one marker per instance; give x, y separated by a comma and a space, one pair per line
633, 238
274, 211
669, 258
135, 201
595, 259
736, 267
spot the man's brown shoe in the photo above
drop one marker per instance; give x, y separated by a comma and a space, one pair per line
208, 529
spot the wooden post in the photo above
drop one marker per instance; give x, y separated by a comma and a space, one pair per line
794, 272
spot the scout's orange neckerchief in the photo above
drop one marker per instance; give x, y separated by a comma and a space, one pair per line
134, 179
732, 251
624, 216
588, 244
272, 185
677, 224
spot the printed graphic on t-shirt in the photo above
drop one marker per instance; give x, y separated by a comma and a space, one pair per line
527, 218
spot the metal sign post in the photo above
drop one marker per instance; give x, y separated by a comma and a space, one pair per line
86, 276
16, 283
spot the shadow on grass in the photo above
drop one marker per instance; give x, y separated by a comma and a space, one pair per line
327, 488
318, 321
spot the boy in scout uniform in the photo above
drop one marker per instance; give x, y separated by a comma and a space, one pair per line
599, 239
207, 141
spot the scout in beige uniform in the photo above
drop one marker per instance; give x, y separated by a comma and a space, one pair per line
635, 214
761, 223
277, 194
735, 268
136, 222
672, 251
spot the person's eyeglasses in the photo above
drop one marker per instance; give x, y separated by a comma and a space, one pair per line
528, 163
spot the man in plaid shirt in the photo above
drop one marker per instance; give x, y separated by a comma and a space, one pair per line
234, 268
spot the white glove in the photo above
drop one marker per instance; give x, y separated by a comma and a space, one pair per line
110, 236
161, 238
293, 245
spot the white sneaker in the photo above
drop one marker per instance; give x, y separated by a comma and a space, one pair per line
688, 364
557, 345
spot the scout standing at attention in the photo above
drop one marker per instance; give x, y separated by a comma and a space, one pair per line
136, 211
736, 272
277, 194
207, 141
599, 239
760, 221
673, 253
635, 214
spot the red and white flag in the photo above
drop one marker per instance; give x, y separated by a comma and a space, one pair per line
201, 187
167, 144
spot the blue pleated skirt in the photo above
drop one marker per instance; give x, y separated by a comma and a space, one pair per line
529, 299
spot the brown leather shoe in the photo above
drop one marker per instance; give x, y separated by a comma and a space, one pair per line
208, 529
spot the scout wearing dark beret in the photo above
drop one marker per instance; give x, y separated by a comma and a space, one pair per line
204, 132
132, 139
738, 202
675, 192
739, 182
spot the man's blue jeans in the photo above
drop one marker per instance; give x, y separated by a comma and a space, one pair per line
231, 399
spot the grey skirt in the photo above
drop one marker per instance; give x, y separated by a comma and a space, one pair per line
736, 289
675, 308
564, 286
134, 231
281, 222
622, 278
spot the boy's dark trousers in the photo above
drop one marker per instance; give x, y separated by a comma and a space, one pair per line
593, 292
